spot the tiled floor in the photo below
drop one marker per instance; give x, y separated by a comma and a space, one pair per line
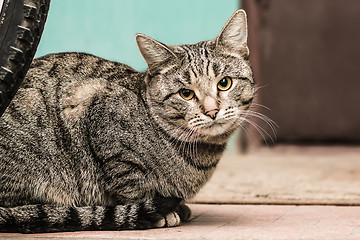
242, 222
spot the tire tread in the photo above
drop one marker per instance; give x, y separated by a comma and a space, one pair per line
22, 50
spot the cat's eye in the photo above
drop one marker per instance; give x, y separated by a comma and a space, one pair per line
224, 84
186, 94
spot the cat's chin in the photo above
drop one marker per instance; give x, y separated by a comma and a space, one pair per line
214, 130
222, 138
217, 133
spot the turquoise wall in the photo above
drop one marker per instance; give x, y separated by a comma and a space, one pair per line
106, 28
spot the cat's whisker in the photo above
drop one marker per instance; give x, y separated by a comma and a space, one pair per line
257, 88
195, 143
183, 145
186, 142
245, 127
180, 145
183, 135
263, 117
272, 124
192, 144
197, 134
181, 131
246, 130
258, 128
190, 141
259, 105
260, 114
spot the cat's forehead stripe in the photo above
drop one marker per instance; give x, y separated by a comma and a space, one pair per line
198, 59
216, 69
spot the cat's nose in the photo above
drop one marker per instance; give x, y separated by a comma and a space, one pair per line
212, 113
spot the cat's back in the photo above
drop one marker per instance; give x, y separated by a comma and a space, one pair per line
63, 81
61, 69
56, 92
70, 81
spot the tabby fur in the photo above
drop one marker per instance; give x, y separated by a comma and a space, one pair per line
91, 144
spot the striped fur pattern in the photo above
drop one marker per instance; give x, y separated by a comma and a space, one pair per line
52, 218
89, 143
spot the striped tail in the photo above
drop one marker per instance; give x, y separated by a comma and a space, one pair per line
50, 218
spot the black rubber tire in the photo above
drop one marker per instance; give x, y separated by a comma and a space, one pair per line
21, 26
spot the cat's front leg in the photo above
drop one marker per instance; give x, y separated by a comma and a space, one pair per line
127, 180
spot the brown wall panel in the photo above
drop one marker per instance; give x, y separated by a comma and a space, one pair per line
309, 64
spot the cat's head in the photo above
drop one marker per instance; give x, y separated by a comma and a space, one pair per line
198, 91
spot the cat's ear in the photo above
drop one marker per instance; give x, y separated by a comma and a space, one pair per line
233, 35
155, 53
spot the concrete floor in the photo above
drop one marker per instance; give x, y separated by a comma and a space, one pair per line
241, 222
287, 174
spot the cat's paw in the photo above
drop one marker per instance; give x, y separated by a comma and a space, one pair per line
184, 212
170, 220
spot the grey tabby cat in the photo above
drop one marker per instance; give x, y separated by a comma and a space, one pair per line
92, 144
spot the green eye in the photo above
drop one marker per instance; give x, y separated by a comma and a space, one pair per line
186, 94
224, 84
